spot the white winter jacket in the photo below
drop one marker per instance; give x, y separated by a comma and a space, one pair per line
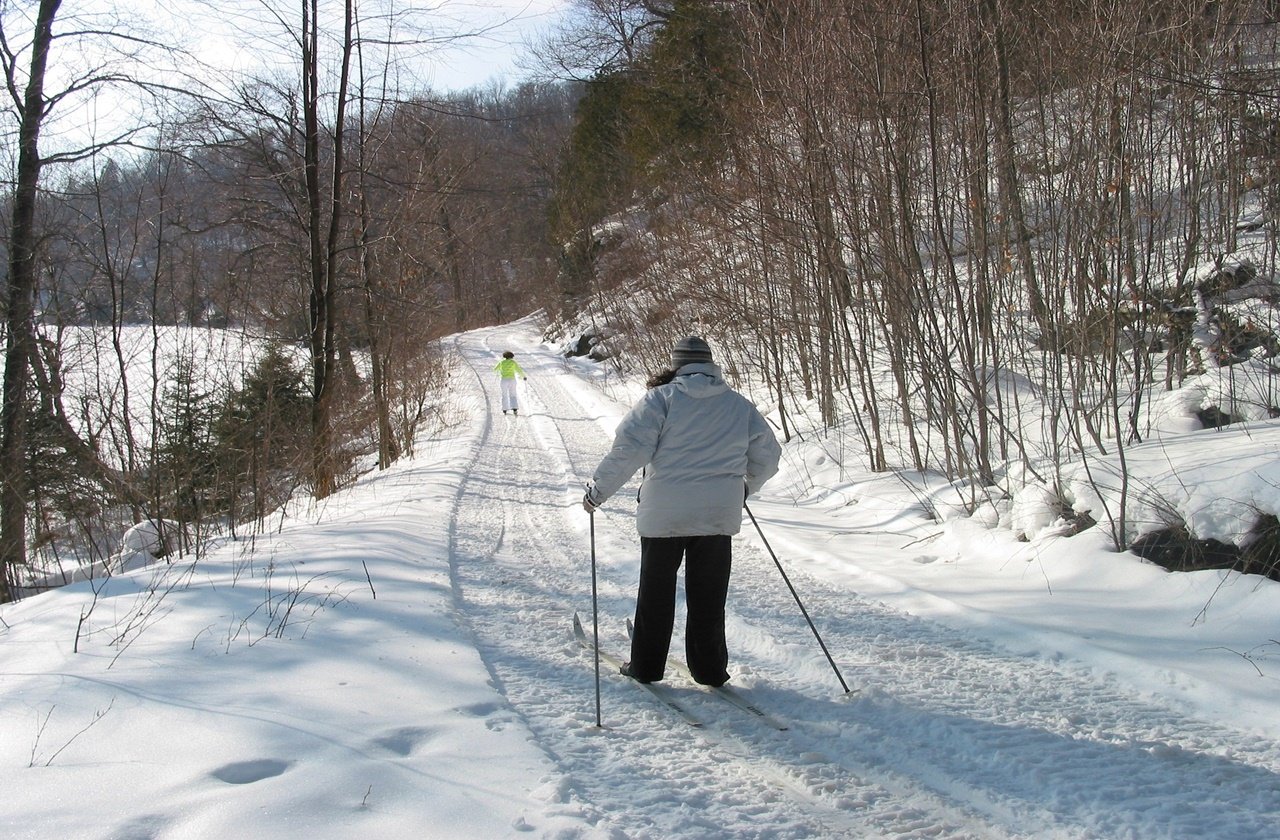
701, 443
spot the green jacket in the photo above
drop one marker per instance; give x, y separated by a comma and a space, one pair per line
508, 368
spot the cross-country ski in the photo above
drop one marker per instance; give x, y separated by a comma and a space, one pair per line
615, 663
727, 692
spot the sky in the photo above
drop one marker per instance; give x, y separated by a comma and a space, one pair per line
463, 45
398, 662
475, 42
496, 54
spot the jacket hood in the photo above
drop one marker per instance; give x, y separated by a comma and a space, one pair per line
700, 379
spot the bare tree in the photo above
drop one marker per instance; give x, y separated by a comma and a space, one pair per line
324, 226
20, 296
601, 36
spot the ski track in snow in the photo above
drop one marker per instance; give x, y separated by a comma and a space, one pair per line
945, 736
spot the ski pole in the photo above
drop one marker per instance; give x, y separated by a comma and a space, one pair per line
796, 595
595, 615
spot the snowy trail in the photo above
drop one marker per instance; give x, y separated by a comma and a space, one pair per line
947, 736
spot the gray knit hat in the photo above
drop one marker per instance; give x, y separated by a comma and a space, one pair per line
688, 351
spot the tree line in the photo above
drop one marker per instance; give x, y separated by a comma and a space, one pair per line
981, 233
340, 218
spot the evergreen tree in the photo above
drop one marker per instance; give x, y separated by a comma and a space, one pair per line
187, 467
261, 433
645, 125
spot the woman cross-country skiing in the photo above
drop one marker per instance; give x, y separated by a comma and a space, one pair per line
704, 448
508, 369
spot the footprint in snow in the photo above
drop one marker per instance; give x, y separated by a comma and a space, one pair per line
248, 772
402, 742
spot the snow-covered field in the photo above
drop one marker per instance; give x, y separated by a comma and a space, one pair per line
398, 662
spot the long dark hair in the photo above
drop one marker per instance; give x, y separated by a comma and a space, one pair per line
662, 377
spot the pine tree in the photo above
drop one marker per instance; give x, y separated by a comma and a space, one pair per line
261, 433
187, 467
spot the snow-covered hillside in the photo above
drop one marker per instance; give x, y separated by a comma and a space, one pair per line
398, 662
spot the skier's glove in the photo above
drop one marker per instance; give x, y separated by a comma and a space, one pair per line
589, 502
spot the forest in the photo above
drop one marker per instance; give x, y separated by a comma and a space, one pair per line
992, 238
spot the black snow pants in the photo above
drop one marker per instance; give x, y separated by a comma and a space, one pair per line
706, 584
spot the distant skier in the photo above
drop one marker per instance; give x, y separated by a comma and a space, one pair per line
704, 448
508, 369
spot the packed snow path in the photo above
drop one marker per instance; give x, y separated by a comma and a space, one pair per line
945, 735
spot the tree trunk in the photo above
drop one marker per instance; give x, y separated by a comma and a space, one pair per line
20, 344
323, 244
1017, 231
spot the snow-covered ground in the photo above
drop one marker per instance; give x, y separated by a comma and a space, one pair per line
398, 662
